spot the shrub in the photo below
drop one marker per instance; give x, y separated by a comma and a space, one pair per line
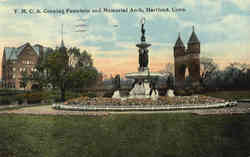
9, 92
71, 95
36, 97
20, 98
180, 92
108, 94
90, 94
6, 100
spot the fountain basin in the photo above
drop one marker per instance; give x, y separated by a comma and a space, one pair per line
141, 75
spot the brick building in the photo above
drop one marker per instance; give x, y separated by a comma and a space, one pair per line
187, 61
17, 60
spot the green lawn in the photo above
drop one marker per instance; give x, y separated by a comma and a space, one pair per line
230, 94
130, 135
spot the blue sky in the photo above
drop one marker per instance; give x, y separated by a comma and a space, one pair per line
222, 27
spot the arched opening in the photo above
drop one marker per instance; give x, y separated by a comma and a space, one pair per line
182, 71
187, 74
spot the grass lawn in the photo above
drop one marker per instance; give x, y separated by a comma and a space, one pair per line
230, 94
129, 135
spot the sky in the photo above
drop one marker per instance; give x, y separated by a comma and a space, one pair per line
111, 37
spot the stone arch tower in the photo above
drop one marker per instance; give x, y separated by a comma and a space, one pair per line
187, 59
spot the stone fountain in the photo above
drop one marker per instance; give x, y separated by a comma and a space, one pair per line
144, 80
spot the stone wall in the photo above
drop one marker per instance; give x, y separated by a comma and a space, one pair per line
187, 62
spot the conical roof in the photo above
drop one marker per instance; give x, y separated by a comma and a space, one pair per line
179, 42
193, 38
62, 44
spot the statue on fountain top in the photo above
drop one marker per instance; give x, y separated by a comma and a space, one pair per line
143, 39
143, 51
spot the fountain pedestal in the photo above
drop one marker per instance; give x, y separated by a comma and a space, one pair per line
144, 85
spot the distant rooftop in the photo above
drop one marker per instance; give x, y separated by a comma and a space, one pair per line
193, 38
12, 53
179, 42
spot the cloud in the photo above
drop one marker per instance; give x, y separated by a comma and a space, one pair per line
242, 4
221, 28
191, 3
212, 4
111, 19
233, 27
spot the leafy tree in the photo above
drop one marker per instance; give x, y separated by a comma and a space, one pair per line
82, 78
79, 59
40, 76
57, 69
208, 67
24, 79
85, 60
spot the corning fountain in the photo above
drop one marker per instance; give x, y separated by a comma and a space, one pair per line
144, 80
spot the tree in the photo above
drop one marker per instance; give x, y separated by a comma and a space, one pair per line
168, 78
39, 76
79, 59
84, 60
57, 70
82, 78
208, 67
24, 79
236, 75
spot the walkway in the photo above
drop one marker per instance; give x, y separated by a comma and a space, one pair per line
47, 110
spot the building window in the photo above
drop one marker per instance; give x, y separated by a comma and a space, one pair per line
14, 76
27, 62
14, 69
33, 69
22, 69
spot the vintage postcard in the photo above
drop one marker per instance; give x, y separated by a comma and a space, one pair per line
160, 78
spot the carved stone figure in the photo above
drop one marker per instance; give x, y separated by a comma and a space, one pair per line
141, 57
145, 58
116, 83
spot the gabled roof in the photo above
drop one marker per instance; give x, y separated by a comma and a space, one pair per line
8, 51
179, 42
11, 53
36, 49
193, 38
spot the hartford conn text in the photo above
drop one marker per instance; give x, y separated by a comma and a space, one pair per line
94, 10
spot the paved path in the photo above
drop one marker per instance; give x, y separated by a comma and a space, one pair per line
47, 110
